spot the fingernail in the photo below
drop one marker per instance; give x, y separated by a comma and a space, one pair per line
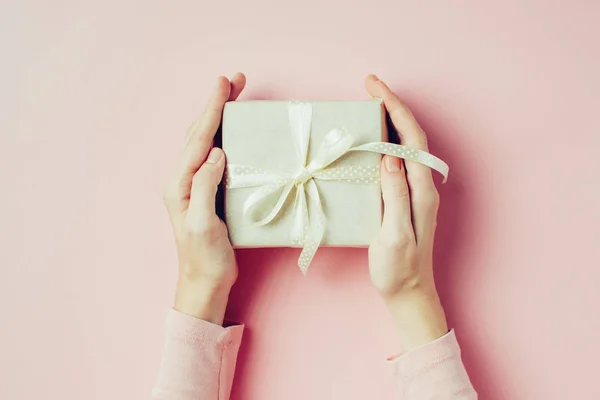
214, 156
392, 164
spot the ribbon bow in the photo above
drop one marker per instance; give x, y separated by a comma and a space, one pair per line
309, 227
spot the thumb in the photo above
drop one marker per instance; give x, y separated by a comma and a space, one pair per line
396, 197
204, 186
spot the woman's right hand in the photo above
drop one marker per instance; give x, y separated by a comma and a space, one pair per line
401, 256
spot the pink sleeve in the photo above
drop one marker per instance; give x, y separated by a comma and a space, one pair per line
198, 360
434, 371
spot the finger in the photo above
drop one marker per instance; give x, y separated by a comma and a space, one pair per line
425, 206
396, 198
424, 196
408, 128
198, 145
204, 187
238, 83
203, 131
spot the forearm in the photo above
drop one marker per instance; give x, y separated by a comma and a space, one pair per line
202, 300
430, 366
418, 317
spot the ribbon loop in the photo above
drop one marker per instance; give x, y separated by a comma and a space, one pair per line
335, 144
257, 199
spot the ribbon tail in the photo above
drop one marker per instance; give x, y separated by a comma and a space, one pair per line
407, 153
301, 221
314, 235
350, 174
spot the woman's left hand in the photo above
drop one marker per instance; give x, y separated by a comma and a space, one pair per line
207, 266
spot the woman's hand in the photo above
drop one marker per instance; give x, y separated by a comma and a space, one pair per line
401, 257
207, 266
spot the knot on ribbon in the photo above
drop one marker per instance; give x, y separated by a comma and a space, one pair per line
303, 176
308, 230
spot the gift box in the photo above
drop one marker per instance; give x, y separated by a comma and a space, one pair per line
305, 174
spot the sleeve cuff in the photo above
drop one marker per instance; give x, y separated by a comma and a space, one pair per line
415, 361
186, 326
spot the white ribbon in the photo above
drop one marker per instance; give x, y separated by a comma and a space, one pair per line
308, 228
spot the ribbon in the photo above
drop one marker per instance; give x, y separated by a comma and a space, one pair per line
308, 228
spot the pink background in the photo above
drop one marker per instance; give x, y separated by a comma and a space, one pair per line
95, 100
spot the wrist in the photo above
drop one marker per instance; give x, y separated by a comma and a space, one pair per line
202, 300
418, 316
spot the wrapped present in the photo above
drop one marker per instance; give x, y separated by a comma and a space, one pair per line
305, 174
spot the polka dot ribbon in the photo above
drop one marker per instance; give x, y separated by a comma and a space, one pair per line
309, 220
